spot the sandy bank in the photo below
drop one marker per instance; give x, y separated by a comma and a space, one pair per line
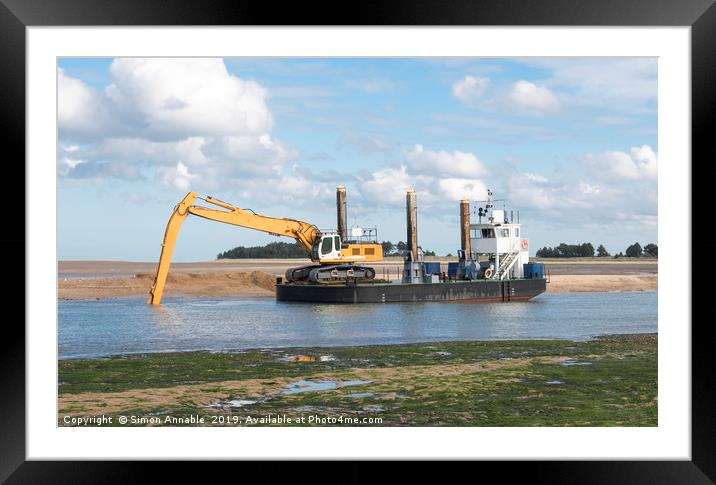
261, 284
391, 266
224, 283
582, 283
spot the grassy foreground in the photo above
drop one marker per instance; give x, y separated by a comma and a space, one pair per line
609, 381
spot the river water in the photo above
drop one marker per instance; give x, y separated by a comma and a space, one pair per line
96, 328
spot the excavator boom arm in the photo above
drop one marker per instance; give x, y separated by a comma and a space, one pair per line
304, 233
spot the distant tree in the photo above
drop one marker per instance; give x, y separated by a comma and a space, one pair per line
602, 252
388, 247
586, 250
651, 250
428, 253
448, 255
634, 251
401, 247
545, 252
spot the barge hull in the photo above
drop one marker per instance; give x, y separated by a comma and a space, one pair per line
466, 291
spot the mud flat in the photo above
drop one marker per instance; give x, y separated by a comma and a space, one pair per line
607, 381
209, 283
580, 283
278, 267
256, 277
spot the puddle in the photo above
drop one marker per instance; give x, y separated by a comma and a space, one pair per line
307, 386
570, 363
555, 382
308, 409
238, 403
361, 394
327, 358
442, 352
355, 383
234, 403
374, 408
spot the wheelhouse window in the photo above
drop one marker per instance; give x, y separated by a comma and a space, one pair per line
517, 232
475, 234
504, 232
488, 233
327, 245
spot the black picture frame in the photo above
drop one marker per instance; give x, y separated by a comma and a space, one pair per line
16, 15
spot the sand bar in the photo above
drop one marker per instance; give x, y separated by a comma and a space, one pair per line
256, 277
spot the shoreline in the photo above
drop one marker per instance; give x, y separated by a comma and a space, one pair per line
326, 349
261, 284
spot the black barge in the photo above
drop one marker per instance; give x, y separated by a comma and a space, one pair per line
487, 290
493, 265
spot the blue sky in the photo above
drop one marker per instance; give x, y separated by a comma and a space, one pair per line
570, 142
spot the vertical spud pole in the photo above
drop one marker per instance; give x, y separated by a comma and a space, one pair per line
342, 213
465, 227
411, 210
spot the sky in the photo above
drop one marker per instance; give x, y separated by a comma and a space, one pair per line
569, 142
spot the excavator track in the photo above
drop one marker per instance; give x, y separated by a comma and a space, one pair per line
317, 273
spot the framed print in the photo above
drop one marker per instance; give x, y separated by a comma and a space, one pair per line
489, 286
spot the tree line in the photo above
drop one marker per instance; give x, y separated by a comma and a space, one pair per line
271, 250
399, 249
286, 250
586, 250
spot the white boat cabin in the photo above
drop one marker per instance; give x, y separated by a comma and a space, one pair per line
500, 241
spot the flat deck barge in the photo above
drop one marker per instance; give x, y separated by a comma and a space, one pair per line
487, 290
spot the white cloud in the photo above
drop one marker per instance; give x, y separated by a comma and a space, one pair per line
387, 185
455, 189
292, 190
622, 84
181, 97
179, 177
188, 121
640, 163
533, 98
469, 89
82, 112
584, 206
439, 178
444, 164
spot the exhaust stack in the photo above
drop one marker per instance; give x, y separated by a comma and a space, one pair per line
341, 211
412, 219
465, 227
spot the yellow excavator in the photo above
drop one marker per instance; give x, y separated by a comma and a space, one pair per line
337, 261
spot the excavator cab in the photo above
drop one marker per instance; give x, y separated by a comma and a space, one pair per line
329, 247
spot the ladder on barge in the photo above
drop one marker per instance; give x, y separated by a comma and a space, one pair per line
506, 265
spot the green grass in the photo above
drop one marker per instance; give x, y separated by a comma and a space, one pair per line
618, 387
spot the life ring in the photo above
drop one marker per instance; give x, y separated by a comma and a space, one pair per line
488, 273
525, 244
